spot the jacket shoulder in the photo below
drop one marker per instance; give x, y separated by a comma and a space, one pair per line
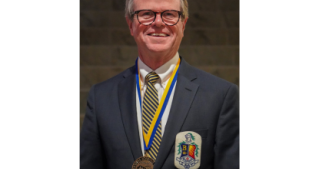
205, 79
115, 80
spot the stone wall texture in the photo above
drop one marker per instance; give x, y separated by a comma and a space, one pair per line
210, 43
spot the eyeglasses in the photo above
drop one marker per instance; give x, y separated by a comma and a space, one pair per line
147, 17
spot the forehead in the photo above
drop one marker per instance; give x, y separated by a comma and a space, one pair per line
157, 5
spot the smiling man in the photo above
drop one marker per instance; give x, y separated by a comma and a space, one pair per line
162, 112
157, 35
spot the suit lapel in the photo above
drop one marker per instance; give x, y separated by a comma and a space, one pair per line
185, 92
127, 102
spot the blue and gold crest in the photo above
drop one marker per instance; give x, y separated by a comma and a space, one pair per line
187, 154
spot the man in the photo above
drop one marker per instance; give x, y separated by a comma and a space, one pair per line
134, 119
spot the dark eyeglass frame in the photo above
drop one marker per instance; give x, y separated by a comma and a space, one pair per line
155, 14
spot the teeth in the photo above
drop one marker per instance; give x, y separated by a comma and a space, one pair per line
158, 34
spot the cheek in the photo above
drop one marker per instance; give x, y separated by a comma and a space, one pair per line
138, 33
179, 35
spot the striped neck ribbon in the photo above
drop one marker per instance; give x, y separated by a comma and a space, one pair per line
148, 138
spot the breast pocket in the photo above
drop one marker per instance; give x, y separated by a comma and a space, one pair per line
201, 132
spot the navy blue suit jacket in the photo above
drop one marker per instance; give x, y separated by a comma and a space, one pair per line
202, 103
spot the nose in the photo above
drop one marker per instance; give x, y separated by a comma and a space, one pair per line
158, 20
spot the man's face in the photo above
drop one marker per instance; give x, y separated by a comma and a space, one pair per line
144, 36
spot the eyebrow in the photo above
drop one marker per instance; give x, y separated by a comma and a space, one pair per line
157, 11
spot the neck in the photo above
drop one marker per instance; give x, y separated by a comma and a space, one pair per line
155, 61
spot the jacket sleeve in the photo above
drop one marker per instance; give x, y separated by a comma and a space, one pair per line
227, 134
91, 155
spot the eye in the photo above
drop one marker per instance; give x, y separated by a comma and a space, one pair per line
170, 14
146, 14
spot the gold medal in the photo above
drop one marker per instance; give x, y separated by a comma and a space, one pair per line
143, 163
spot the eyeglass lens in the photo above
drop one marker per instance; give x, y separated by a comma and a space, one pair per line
168, 17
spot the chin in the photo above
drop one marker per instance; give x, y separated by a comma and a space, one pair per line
159, 47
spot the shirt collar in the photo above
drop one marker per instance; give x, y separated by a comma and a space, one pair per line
164, 71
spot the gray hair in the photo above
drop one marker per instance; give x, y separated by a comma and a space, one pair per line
129, 9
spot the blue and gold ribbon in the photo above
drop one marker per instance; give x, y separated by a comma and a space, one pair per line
148, 138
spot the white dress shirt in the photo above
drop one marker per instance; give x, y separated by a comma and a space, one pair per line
164, 72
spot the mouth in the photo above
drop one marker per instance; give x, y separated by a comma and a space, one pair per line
158, 34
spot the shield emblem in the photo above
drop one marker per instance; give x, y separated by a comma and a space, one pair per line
187, 152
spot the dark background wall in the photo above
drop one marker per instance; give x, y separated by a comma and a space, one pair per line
210, 43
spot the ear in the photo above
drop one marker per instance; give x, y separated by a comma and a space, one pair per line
184, 23
129, 23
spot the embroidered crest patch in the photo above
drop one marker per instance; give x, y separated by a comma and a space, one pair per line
188, 150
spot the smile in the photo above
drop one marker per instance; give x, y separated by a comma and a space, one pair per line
158, 34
